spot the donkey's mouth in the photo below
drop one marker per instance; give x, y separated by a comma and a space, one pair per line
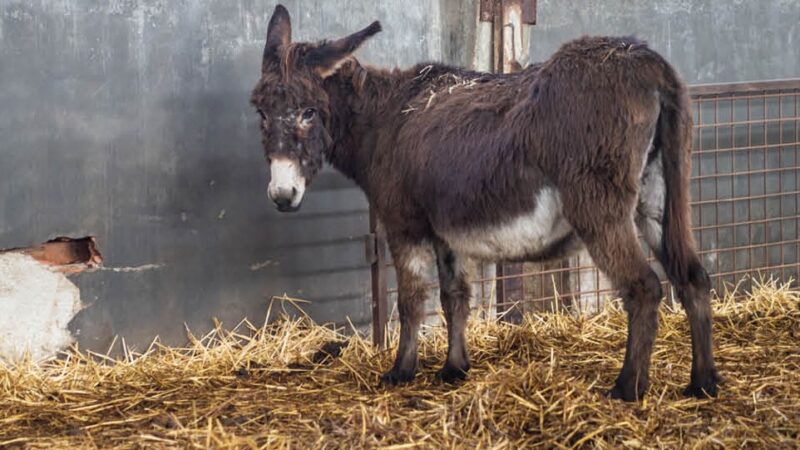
288, 208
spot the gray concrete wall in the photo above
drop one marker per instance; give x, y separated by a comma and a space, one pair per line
129, 120
709, 41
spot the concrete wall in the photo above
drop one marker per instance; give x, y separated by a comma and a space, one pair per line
709, 41
129, 120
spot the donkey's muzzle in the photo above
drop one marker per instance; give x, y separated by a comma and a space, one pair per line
284, 199
287, 186
286, 206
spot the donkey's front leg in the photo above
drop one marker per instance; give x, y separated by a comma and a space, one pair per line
455, 293
411, 263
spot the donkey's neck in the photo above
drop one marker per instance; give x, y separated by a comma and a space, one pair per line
368, 102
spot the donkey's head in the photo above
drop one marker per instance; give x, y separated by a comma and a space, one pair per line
294, 107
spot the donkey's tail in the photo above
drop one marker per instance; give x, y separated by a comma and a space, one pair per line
675, 139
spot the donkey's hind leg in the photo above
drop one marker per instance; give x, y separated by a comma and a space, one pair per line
455, 293
610, 237
411, 263
695, 296
694, 293
620, 257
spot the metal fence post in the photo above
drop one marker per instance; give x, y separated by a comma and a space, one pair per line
509, 288
376, 255
504, 59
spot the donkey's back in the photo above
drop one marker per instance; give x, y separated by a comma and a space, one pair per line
491, 158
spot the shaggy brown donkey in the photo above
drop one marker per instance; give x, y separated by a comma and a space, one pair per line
578, 151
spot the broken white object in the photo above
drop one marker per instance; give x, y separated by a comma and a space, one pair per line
36, 305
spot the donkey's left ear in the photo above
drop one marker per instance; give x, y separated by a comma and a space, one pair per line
279, 35
327, 57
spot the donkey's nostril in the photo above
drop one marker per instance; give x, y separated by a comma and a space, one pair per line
283, 202
294, 192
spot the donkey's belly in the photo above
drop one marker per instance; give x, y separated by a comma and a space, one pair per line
541, 234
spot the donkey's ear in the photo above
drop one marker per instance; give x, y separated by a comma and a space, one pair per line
279, 34
327, 57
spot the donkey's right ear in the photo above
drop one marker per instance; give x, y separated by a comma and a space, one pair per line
279, 34
327, 57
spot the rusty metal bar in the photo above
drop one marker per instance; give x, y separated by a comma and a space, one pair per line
529, 12
752, 172
745, 122
745, 148
510, 285
747, 222
512, 14
497, 37
487, 10
744, 96
746, 197
701, 90
376, 253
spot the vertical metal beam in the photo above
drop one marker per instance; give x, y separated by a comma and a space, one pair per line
376, 255
508, 13
497, 37
528, 9
529, 12
509, 290
497, 67
487, 10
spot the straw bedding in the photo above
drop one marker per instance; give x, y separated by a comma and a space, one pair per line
291, 385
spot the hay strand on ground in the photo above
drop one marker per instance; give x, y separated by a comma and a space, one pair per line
290, 384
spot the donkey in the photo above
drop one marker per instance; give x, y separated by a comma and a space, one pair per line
578, 151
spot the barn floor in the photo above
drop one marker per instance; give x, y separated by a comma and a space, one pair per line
537, 385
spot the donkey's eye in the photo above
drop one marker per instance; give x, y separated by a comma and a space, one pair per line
262, 114
309, 113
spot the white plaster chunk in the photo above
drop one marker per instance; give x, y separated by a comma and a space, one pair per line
36, 305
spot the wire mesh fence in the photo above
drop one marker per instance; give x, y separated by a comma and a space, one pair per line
745, 188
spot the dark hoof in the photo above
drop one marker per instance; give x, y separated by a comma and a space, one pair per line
626, 392
397, 376
451, 375
703, 387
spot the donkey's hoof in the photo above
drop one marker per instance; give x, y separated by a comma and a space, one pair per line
397, 376
700, 392
450, 374
705, 387
626, 392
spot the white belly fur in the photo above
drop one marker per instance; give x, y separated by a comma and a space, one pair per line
522, 236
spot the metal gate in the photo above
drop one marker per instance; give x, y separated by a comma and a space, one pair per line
745, 189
